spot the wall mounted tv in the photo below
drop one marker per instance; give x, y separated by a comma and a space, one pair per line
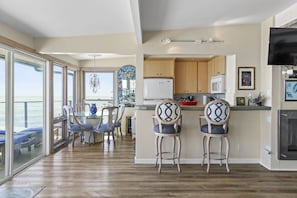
282, 46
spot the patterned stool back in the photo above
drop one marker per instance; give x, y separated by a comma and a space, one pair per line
217, 112
168, 112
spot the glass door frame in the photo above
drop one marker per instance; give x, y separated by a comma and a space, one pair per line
61, 119
8, 113
9, 171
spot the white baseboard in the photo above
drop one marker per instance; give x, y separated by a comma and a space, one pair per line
231, 161
198, 161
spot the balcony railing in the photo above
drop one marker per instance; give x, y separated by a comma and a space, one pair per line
30, 113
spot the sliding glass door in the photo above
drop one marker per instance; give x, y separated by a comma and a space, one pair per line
21, 110
28, 122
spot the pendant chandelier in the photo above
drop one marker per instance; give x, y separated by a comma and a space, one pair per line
94, 81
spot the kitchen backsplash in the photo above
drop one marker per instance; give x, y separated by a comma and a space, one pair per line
197, 97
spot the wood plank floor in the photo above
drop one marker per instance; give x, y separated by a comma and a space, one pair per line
97, 171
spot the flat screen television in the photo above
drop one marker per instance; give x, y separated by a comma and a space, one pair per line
282, 46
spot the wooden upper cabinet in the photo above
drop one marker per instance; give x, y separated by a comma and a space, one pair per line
186, 77
219, 65
202, 77
158, 68
210, 73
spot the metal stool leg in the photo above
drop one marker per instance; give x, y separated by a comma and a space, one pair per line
160, 153
203, 155
178, 152
174, 151
208, 153
157, 149
221, 147
227, 153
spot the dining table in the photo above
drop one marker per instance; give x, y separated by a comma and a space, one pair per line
87, 119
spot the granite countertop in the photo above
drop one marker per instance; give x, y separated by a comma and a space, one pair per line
201, 107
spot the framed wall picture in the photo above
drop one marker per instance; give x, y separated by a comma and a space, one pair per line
240, 101
290, 90
246, 78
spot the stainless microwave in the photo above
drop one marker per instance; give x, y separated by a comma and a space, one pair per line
218, 84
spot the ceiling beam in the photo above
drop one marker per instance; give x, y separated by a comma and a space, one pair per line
134, 4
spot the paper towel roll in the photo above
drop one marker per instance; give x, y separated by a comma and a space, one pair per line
205, 100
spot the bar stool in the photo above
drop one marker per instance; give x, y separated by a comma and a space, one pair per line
217, 114
167, 122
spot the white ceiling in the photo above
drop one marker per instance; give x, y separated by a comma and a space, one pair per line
65, 18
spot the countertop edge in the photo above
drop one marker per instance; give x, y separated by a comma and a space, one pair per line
201, 108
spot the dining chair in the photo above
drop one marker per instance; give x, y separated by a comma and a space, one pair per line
118, 123
75, 127
167, 122
216, 115
107, 122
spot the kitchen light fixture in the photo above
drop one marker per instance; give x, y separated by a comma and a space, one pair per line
167, 40
94, 80
288, 72
291, 73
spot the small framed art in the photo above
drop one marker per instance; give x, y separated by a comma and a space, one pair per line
290, 90
246, 78
240, 101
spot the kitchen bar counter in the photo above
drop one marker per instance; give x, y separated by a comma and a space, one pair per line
201, 107
247, 128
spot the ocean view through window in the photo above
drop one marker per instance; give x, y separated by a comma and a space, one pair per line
105, 95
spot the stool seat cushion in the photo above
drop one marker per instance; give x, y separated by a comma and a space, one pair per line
215, 129
167, 129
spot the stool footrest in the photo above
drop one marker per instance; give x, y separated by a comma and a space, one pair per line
172, 156
216, 156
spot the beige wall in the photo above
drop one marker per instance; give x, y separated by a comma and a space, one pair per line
241, 41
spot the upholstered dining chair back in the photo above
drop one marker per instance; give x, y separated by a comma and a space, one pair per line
70, 115
217, 112
167, 112
107, 123
118, 123
74, 126
109, 117
121, 112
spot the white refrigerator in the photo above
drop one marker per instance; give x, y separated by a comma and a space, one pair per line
156, 89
